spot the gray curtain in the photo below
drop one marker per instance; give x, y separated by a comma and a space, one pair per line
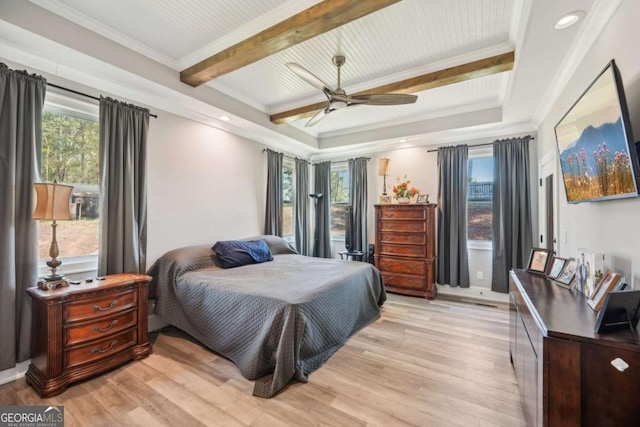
301, 221
322, 234
512, 223
123, 187
453, 259
273, 213
358, 202
21, 105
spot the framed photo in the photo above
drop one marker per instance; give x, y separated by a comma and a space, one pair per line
589, 271
607, 284
539, 260
556, 266
568, 273
422, 198
385, 199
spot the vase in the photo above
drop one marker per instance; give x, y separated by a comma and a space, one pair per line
404, 200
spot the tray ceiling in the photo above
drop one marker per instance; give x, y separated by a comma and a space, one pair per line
400, 41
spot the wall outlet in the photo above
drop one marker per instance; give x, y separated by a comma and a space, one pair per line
479, 275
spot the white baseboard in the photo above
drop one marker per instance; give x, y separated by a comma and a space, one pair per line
14, 373
475, 292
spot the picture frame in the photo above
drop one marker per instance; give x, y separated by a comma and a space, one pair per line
539, 260
591, 133
568, 273
422, 199
556, 266
386, 199
619, 309
589, 271
608, 282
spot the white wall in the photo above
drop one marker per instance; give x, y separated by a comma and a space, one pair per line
610, 227
204, 185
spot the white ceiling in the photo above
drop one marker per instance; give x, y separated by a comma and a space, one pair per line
409, 38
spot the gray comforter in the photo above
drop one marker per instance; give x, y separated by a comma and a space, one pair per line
278, 320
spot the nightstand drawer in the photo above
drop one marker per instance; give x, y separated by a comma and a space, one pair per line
100, 349
101, 306
87, 331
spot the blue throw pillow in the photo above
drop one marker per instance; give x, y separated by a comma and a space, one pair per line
235, 253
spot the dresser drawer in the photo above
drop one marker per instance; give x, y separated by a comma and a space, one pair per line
419, 214
95, 329
402, 265
403, 250
102, 349
414, 226
100, 306
411, 238
404, 281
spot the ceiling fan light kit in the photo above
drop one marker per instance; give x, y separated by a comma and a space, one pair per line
338, 98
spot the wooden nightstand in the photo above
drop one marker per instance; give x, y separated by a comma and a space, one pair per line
83, 330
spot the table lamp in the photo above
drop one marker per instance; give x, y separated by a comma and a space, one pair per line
383, 171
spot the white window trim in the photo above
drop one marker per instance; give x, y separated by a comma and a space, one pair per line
81, 109
477, 153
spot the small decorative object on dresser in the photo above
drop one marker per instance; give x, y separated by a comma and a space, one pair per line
607, 284
539, 260
385, 199
556, 267
422, 198
403, 193
588, 271
84, 330
568, 273
406, 249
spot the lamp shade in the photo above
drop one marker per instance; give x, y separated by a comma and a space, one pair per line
383, 167
53, 201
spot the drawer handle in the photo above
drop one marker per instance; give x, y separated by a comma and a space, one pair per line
96, 307
97, 350
99, 329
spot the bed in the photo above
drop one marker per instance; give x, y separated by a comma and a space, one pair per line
278, 321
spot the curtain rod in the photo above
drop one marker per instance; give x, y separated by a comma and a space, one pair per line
264, 150
339, 161
490, 143
84, 94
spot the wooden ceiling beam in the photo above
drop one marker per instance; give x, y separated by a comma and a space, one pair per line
318, 19
471, 70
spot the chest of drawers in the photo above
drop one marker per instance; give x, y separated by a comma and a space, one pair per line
83, 330
405, 250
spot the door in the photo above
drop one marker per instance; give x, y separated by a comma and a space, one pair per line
547, 203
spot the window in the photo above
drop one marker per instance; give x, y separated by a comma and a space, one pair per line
70, 141
339, 199
288, 194
480, 196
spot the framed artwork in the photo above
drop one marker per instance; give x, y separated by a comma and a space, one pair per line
556, 267
589, 271
422, 198
568, 273
538, 260
385, 199
608, 282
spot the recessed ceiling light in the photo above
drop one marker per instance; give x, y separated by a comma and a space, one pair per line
403, 140
225, 118
568, 20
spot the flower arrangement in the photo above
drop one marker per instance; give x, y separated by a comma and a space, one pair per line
402, 190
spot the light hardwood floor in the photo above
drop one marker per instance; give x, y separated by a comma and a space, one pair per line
423, 363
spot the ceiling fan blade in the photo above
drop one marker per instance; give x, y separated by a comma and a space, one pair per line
383, 99
318, 116
308, 77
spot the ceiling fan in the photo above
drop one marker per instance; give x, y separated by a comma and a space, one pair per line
338, 98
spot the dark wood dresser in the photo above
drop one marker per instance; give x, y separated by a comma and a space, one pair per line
563, 368
83, 330
405, 250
